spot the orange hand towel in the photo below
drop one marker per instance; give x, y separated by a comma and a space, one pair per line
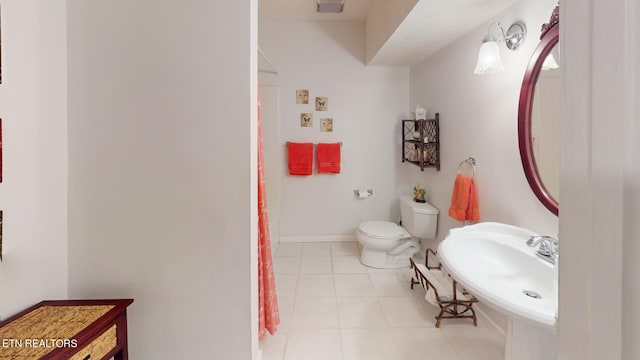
473, 212
329, 158
464, 200
300, 158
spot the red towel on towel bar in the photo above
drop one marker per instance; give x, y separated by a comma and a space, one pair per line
300, 158
329, 158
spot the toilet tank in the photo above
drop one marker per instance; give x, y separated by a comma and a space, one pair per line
420, 219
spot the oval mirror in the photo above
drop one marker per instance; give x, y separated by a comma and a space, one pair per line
538, 118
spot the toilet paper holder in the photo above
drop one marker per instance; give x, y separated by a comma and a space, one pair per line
361, 193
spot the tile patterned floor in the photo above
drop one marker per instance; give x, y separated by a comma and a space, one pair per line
334, 308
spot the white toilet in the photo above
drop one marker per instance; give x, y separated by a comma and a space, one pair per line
386, 245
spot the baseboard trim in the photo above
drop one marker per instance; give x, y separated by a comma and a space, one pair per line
316, 238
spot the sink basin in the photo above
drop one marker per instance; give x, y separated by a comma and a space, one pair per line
494, 263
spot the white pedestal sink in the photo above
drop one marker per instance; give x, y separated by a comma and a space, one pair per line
493, 262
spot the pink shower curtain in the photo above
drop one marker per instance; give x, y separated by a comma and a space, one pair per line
269, 316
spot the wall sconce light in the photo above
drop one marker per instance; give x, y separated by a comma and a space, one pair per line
330, 6
550, 62
489, 61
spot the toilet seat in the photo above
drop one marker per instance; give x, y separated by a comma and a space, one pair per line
383, 230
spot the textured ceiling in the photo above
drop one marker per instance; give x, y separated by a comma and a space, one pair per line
433, 24
428, 27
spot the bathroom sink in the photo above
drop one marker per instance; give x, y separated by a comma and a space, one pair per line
494, 263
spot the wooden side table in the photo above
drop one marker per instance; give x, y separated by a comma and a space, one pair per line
67, 330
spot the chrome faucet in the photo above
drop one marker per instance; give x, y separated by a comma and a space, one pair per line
547, 247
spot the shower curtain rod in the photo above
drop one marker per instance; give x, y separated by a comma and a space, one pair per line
273, 68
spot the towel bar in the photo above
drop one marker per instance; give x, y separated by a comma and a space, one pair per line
288, 142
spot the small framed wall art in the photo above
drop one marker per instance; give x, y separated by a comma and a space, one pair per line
0, 150
326, 125
0, 235
0, 53
322, 103
306, 120
302, 96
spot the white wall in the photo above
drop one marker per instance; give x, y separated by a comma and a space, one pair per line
162, 171
33, 194
479, 118
366, 104
631, 247
631, 202
600, 142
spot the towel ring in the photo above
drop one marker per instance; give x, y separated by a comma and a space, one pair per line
470, 161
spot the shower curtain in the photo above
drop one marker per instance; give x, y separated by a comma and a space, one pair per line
268, 314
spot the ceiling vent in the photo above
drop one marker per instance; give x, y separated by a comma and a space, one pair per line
330, 6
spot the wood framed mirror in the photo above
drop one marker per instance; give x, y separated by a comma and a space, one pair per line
538, 155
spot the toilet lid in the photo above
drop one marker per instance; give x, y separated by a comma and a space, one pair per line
381, 229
